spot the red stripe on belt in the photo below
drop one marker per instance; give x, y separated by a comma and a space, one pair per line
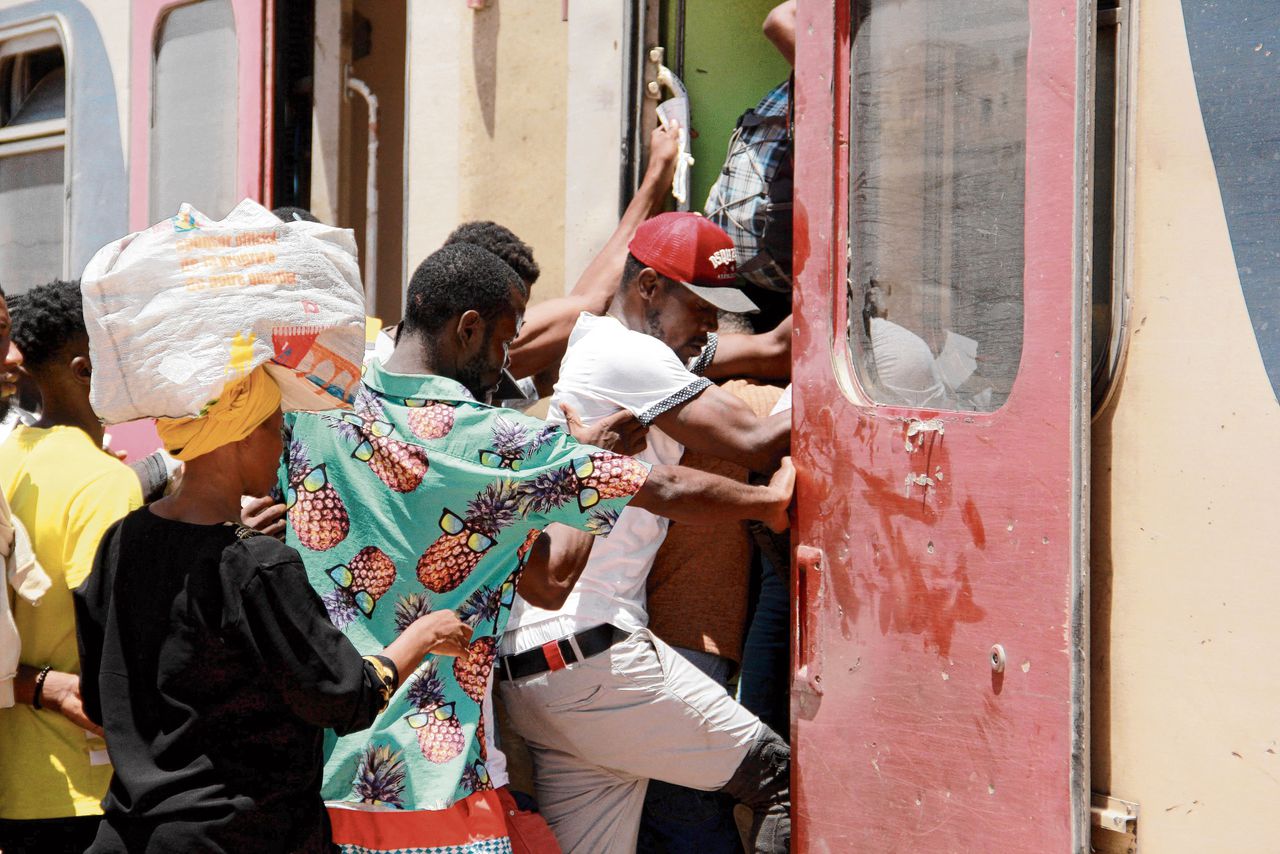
555, 660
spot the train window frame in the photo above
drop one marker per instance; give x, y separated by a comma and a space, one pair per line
162, 17
1107, 357
856, 370
23, 39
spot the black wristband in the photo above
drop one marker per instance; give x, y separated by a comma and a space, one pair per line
39, 689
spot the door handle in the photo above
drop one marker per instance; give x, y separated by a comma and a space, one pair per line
808, 602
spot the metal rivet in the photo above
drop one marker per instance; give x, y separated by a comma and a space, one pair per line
997, 658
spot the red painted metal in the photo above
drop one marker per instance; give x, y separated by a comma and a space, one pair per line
267, 158
147, 15
135, 438
905, 737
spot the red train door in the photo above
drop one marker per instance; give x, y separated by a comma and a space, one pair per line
941, 405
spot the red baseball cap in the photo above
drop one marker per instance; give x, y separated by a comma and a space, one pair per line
695, 252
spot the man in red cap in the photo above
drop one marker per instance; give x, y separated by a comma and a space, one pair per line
603, 704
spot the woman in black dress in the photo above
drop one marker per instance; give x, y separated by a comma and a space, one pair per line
211, 663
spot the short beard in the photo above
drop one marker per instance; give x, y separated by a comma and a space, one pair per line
471, 373
653, 323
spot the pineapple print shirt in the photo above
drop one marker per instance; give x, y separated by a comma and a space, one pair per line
422, 498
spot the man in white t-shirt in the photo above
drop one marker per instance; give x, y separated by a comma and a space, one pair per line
603, 704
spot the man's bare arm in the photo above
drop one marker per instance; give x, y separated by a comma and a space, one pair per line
780, 28
545, 333
723, 425
766, 356
555, 563
700, 498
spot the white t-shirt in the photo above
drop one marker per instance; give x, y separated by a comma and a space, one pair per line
905, 365
784, 402
608, 367
496, 763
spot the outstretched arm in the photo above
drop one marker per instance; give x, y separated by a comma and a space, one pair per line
718, 423
542, 339
700, 498
780, 28
766, 356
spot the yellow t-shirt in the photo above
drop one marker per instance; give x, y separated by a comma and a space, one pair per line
67, 492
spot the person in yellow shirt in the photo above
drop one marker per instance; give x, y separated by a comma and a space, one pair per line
66, 491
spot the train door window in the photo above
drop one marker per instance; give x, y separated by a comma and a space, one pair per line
33, 134
938, 112
193, 110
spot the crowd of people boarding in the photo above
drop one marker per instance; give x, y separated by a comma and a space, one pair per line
315, 626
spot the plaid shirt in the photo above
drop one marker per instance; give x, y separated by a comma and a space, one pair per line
738, 201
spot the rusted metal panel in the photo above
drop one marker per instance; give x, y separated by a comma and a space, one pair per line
927, 538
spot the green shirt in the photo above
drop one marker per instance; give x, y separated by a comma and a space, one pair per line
420, 499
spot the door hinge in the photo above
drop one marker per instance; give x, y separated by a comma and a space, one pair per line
1115, 825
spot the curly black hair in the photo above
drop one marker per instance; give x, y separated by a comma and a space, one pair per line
46, 320
455, 279
501, 241
293, 213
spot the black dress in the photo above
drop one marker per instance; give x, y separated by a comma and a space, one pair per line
214, 669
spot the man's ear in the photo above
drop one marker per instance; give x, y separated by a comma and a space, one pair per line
648, 284
470, 331
82, 369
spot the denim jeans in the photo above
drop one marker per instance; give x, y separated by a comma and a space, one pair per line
676, 819
764, 687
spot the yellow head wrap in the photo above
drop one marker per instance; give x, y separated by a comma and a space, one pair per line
243, 406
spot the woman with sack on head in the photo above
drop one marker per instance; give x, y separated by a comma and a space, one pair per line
210, 661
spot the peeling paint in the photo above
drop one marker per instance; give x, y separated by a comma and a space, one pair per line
916, 431
921, 479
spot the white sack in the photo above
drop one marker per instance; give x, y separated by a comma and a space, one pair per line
176, 312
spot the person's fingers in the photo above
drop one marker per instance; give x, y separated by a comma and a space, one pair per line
273, 513
264, 515
784, 479
85, 723
571, 415
275, 529
253, 505
617, 420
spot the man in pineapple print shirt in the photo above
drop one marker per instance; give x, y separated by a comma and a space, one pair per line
681, 726
425, 497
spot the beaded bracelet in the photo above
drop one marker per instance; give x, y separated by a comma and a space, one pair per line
39, 689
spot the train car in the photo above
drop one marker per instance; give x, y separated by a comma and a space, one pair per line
1037, 344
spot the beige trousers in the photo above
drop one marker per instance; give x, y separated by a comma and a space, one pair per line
602, 728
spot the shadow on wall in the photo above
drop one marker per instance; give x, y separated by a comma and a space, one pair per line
484, 60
